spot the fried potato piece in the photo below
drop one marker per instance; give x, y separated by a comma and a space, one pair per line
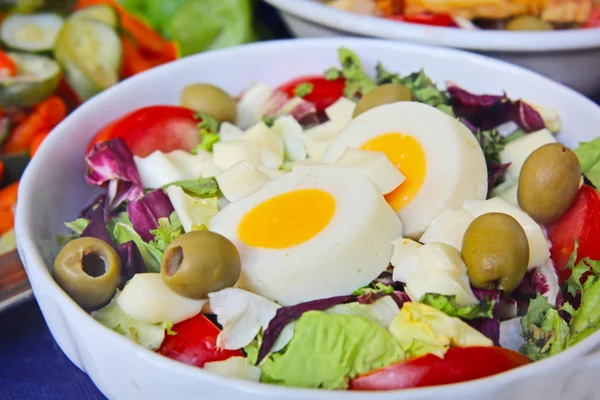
566, 11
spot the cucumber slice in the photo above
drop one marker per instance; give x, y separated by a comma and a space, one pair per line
31, 32
90, 53
37, 79
101, 12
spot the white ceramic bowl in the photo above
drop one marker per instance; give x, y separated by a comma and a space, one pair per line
570, 56
53, 190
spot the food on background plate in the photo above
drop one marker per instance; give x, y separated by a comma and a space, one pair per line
383, 230
512, 15
58, 54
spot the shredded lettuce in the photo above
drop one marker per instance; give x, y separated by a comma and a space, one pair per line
203, 187
586, 320
358, 82
588, 154
449, 306
168, 229
545, 331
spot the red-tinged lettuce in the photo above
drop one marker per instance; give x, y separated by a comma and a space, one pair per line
285, 315
145, 212
400, 298
541, 279
111, 166
489, 111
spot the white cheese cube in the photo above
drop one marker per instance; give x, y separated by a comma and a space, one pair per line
250, 105
449, 227
404, 258
226, 154
271, 173
272, 149
340, 112
240, 180
374, 165
159, 169
292, 134
229, 132
517, 151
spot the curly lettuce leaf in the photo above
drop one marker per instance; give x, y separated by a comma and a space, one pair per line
327, 351
123, 232
202, 188
449, 306
547, 339
168, 229
586, 320
588, 154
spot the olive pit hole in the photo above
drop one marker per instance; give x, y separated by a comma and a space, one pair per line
93, 264
175, 259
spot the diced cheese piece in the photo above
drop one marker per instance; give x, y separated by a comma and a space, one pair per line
193, 212
440, 270
250, 105
324, 131
449, 227
316, 148
510, 195
147, 298
295, 165
271, 145
235, 367
240, 180
405, 258
159, 169
229, 132
550, 117
210, 169
340, 112
538, 246
292, 134
271, 173
517, 151
374, 165
226, 154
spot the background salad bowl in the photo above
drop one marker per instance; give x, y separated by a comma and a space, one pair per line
567, 56
123, 370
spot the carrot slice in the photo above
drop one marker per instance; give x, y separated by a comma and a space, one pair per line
7, 221
53, 111
7, 65
133, 60
21, 136
8, 197
36, 142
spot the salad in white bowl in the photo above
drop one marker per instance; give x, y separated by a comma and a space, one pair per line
340, 231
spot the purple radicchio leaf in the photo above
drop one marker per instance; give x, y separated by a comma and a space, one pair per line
489, 327
541, 279
400, 298
131, 261
97, 228
111, 166
489, 111
145, 212
285, 315
496, 173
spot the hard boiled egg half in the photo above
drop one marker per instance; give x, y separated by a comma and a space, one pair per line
314, 233
440, 158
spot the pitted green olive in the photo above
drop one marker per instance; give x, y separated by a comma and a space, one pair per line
200, 262
496, 252
384, 94
549, 182
527, 23
210, 100
89, 270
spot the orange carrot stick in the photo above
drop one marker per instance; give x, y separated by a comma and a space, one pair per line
8, 197
7, 221
36, 142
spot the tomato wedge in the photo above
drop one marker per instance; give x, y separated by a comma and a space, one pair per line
195, 343
425, 19
581, 222
459, 364
594, 19
163, 128
324, 92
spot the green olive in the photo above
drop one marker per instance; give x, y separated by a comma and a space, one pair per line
89, 270
384, 94
549, 182
210, 100
199, 262
496, 252
527, 23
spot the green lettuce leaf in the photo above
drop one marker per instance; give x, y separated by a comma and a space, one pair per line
586, 320
76, 227
327, 351
588, 154
382, 311
123, 232
303, 89
148, 335
449, 306
203, 187
358, 82
372, 289
168, 229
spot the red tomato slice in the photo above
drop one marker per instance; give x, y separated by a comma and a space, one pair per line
459, 364
195, 343
581, 222
594, 19
164, 128
324, 92
425, 19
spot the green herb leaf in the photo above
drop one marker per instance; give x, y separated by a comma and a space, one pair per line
492, 143
586, 319
358, 83
331, 74
269, 120
588, 154
168, 326
203, 187
168, 229
376, 288
449, 306
573, 284
303, 89
209, 128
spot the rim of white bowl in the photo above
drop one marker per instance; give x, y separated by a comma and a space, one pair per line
37, 270
483, 40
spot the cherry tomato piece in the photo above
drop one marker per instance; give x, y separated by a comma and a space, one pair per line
459, 364
594, 19
163, 128
581, 222
195, 343
426, 19
324, 92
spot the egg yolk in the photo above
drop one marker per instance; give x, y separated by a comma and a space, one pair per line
408, 156
288, 219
